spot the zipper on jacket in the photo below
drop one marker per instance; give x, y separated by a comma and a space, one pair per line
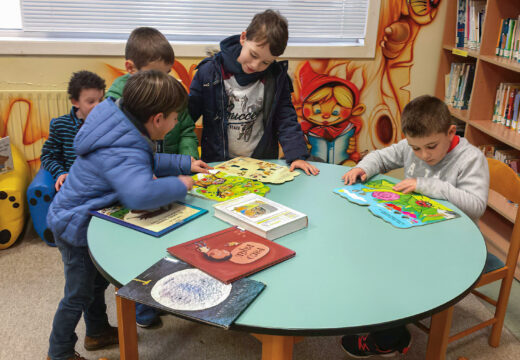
224, 119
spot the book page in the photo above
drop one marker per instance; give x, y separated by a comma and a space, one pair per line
255, 169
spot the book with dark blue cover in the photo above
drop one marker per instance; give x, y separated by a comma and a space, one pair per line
155, 222
189, 293
461, 23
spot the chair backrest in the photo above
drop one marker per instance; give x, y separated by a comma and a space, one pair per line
506, 182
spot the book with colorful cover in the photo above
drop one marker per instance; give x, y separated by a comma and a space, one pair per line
399, 209
231, 254
261, 216
154, 222
255, 169
219, 186
180, 289
6, 157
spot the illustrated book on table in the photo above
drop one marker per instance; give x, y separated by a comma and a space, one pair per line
256, 169
180, 289
219, 186
154, 222
399, 209
261, 216
231, 254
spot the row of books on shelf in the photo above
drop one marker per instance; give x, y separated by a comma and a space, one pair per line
507, 102
508, 42
458, 85
509, 156
470, 18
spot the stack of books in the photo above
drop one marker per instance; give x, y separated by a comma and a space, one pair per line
469, 23
458, 85
508, 42
507, 101
508, 156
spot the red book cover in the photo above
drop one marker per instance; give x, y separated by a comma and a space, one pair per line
231, 254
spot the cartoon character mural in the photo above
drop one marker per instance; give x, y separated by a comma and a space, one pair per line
382, 84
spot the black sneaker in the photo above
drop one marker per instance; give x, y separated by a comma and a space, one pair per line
364, 346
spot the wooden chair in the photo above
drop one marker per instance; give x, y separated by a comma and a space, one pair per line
506, 182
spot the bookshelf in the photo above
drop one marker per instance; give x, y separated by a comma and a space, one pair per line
497, 223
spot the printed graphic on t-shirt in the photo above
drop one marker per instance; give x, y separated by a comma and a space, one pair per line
244, 116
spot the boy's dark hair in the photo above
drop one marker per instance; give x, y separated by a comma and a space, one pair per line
152, 92
146, 44
424, 116
84, 80
269, 27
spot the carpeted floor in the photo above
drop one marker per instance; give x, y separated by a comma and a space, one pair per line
32, 285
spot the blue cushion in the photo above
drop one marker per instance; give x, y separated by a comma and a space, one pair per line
39, 196
492, 263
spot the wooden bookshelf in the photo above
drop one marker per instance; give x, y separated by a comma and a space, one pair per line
490, 70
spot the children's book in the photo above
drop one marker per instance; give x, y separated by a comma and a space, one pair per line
261, 216
6, 157
255, 169
221, 187
231, 254
189, 293
399, 209
154, 222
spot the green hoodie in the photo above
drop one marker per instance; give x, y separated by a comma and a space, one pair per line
181, 139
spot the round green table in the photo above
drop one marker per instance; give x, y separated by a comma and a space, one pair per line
352, 271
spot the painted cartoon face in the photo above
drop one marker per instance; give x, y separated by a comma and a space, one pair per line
422, 11
326, 113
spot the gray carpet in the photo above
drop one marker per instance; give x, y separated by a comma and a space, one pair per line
32, 285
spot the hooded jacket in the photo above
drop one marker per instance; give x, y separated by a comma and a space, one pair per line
115, 163
208, 98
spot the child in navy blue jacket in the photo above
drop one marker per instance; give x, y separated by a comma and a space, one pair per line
244, 97
115, 163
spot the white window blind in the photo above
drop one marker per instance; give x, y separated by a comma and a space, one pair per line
340, 21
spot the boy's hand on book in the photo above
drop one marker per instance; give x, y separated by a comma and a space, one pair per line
187, 180
305, 166
60, 181
351, 176
406, 186
199, 166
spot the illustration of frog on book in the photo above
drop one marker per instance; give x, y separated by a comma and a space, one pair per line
220, 186
399, 209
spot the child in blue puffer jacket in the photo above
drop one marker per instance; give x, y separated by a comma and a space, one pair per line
115, 163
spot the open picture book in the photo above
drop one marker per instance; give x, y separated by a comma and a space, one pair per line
255, 169
154, 222
180, 289
399, 209
231, 254
219, 186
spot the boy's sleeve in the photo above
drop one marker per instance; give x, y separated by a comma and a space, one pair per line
172, 164
52, 153
384, 160
116, 89
290, 134
188, 141
195, 100
130, 175
471, 193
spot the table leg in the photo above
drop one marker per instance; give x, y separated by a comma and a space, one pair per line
439, 334
277, 347
127, 329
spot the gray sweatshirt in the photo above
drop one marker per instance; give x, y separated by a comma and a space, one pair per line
461, 177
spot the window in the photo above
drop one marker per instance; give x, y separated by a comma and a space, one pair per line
342, 26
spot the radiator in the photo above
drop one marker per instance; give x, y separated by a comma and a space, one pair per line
25, 117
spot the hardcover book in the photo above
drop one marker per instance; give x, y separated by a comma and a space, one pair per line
231, 254
255, 169
399, 209
189, 293
6, 157
261, 216
221, 187
154, 222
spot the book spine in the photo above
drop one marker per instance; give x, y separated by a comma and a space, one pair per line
499, 40
514, 123
510, 103
497, 103
461, 17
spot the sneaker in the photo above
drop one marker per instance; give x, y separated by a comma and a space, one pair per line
364, 346
147, 316
149, 322
108, 337
75, 357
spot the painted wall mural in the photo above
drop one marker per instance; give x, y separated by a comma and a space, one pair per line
346, 107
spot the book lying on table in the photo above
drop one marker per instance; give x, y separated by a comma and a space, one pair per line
189, 293
154, 222
255, 169
399, 209
221, 187
261, 216
231, 254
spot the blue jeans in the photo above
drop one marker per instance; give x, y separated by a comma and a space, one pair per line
84, 293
